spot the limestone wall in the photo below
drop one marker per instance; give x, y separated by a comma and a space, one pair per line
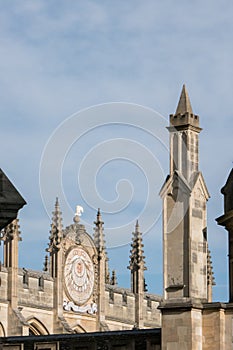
120, 309
217, 329
152, 316
3, 318
35, 307
3, 284
32, 293
117, 310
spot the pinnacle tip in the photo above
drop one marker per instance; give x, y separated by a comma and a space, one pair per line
184, 104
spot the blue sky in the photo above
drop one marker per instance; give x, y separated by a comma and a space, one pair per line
58, 58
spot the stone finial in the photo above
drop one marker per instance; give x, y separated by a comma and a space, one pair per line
184, 105
137, 259
11, 231
46, 263
107, 274
145, 286
99, 232
57, 216
210, 272
56, 227
210, 277
113, 280
99, 240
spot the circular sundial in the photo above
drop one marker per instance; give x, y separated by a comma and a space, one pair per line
79, 275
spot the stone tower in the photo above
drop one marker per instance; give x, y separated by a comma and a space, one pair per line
185, 249
184, 196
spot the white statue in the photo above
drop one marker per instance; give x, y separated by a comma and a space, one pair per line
79, 210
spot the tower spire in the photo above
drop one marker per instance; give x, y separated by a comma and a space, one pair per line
137, 268
184, 145
103, 271
56, 227
210, 276
137, 259
184, 105
99, 240
99, 232
184, 197
55, 263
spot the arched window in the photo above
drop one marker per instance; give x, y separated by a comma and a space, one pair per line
79, 329
25, 279
41, 283
124, 298
2, 331
111, 296
36, 327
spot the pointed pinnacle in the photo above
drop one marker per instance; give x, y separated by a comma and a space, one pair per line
57, 203
137, 226
98, 216
184, 105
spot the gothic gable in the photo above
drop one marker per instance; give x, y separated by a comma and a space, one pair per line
199, 187
175, 185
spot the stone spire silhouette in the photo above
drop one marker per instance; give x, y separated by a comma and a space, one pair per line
56, 227
55, 263
184, 105
46, 263
99, 240
184, 145
113, 280
137, 268
99, 232
103, 271
137, 259
210, 275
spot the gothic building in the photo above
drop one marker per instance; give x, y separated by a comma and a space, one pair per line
76, 293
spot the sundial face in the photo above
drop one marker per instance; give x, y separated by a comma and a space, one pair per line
79, 275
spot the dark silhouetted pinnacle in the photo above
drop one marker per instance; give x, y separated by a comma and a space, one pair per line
113, 280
